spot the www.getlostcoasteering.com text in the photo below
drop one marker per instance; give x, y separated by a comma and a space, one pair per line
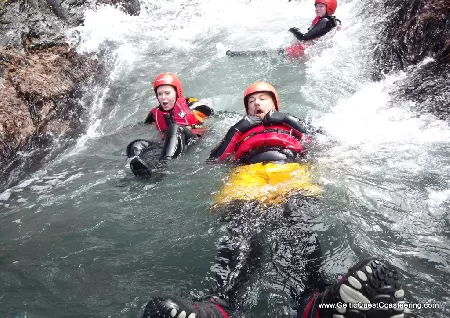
400, 306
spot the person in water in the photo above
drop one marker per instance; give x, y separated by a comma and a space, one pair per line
323, 23
271, 144
178, 119
369, 282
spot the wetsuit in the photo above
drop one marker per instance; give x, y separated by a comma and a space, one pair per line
180, 127
285, 233
319, 27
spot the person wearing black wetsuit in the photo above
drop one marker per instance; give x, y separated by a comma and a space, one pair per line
180, 121
323, 23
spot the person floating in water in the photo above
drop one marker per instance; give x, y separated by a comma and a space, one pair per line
178, 119
323, 23
271, 145
295, 249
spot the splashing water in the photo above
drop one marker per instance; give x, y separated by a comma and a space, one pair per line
85, 234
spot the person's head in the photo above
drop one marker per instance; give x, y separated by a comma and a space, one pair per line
260, 98
325, 7
167, 89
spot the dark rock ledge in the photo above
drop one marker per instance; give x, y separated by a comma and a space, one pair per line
413, 31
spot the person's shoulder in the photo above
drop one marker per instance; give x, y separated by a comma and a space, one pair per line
193, 102
199, 105
332, 19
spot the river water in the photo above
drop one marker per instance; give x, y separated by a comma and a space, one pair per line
82, 237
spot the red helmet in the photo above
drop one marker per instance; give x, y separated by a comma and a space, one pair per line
331, 5
168, 79
261, 87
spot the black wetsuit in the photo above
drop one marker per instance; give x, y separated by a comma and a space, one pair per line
322, 27
285, 233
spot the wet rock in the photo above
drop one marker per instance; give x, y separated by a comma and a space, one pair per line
41, 79
45, 21
413, 31
38, 99
132, 7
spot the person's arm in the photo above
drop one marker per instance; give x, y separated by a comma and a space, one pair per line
296, 32
150, 119
324, 26
198, 106
278, 118
226, 147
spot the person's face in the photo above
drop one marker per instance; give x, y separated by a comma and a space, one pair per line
259, 104
321, 9
166, 96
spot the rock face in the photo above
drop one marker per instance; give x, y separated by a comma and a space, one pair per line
415, 30
43, 22
38, 99
40, 79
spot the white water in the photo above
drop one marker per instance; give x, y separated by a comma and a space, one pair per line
384, 167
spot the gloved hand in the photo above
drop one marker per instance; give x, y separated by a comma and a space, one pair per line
274, 118
247, 123
296, 32
278, 118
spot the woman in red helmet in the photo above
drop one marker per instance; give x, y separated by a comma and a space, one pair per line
323, 23
179, 119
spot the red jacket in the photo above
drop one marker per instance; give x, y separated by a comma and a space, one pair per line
180, 114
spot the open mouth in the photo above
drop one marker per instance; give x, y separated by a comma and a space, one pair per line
259, 111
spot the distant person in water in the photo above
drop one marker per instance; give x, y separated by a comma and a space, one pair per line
323, 23
178, 119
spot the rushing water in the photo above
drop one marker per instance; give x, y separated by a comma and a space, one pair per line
83, 237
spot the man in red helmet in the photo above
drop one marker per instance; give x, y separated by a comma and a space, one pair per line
323, 23
264, 134
370, 282
179, 119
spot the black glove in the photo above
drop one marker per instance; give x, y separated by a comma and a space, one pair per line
274, 118
277, 118
247, 123
297, 33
